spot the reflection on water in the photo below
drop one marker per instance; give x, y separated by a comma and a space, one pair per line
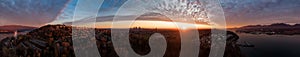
271, 45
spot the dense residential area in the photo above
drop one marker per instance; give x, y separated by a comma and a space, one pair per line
56, 41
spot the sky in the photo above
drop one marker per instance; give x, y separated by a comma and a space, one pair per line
237, 12
30, 12
244, 12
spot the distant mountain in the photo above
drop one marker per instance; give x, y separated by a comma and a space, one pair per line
276, 28
12, 28
297, 25
280, 24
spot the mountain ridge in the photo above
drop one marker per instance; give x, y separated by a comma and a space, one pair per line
272, 29
13, 28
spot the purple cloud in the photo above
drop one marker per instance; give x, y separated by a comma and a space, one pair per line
30, 12
261, 11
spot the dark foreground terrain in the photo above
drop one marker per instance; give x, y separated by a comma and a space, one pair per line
56, 41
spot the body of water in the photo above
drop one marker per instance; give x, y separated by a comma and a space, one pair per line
270, 45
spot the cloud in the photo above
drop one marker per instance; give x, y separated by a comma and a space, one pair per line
260, 11
30, 12
237, 12
108, 8
144, 17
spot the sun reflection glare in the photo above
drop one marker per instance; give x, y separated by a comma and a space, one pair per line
152, 24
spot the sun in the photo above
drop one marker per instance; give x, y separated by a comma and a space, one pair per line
183, 28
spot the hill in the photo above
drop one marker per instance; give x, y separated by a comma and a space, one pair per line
12, 28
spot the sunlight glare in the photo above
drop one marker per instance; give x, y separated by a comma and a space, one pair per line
153, 24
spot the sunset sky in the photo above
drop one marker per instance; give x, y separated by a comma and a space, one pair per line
237, 12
